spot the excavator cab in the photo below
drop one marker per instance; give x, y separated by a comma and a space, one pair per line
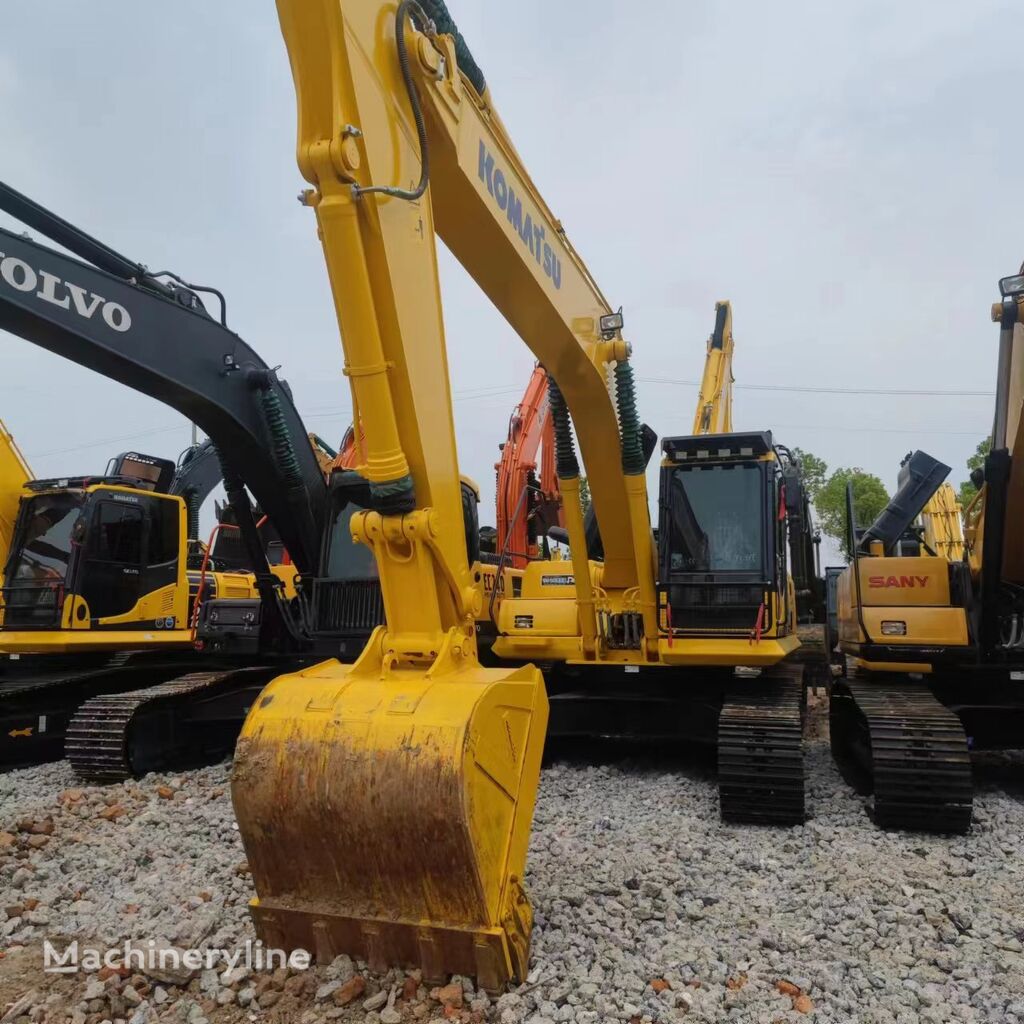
99, 556
346, 600
722, 560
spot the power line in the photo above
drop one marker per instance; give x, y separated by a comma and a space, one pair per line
917, 432
325, 412
110, 440
805, 389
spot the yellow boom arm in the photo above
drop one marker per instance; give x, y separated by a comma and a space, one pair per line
714, 403
385, 807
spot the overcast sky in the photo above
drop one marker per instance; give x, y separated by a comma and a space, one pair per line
848, 175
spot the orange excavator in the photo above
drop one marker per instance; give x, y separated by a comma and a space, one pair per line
528, 505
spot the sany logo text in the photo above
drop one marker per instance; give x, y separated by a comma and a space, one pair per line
898, 581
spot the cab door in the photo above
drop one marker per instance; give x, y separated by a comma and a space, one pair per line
111, 570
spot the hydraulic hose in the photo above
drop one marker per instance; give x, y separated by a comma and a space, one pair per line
409, 195
440, 16
192, 508
280, 439
633, 461
567, 466
634, 470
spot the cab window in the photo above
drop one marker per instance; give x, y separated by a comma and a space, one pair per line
117, 533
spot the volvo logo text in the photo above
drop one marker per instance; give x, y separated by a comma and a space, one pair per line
63, 294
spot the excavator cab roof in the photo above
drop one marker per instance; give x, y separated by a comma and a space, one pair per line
717, 446
129, 469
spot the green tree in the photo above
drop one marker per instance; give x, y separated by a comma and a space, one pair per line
976, 461
869, 498
813, 470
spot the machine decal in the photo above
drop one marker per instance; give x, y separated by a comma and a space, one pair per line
532, 234
562, 580
22, 278
878, 582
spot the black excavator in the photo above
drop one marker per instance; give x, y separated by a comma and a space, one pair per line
153, 333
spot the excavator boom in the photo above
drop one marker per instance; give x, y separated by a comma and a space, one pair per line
714, 403
401, 144
179, 355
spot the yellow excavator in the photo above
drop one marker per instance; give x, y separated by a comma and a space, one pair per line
100, 562
101, 576
935, 644
427, 761
732, 507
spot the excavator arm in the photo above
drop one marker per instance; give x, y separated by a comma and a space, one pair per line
197, 474
401, 145
714, 403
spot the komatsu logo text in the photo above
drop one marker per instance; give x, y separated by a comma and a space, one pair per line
63, 294
878, 582
531, 233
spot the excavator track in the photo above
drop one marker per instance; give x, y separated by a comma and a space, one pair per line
36, 704
760, 751
901, 743
193, 719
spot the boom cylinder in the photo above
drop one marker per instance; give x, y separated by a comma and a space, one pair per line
567, 468
634, 467
386, 467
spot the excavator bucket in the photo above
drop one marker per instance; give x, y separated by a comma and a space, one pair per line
388, 817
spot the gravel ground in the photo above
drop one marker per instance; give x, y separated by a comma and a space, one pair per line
648, 908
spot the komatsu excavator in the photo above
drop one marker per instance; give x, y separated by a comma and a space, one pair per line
100, 562
528, 502
401, 143
732, 508
935, 644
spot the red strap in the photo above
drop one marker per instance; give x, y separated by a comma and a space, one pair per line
755, 636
